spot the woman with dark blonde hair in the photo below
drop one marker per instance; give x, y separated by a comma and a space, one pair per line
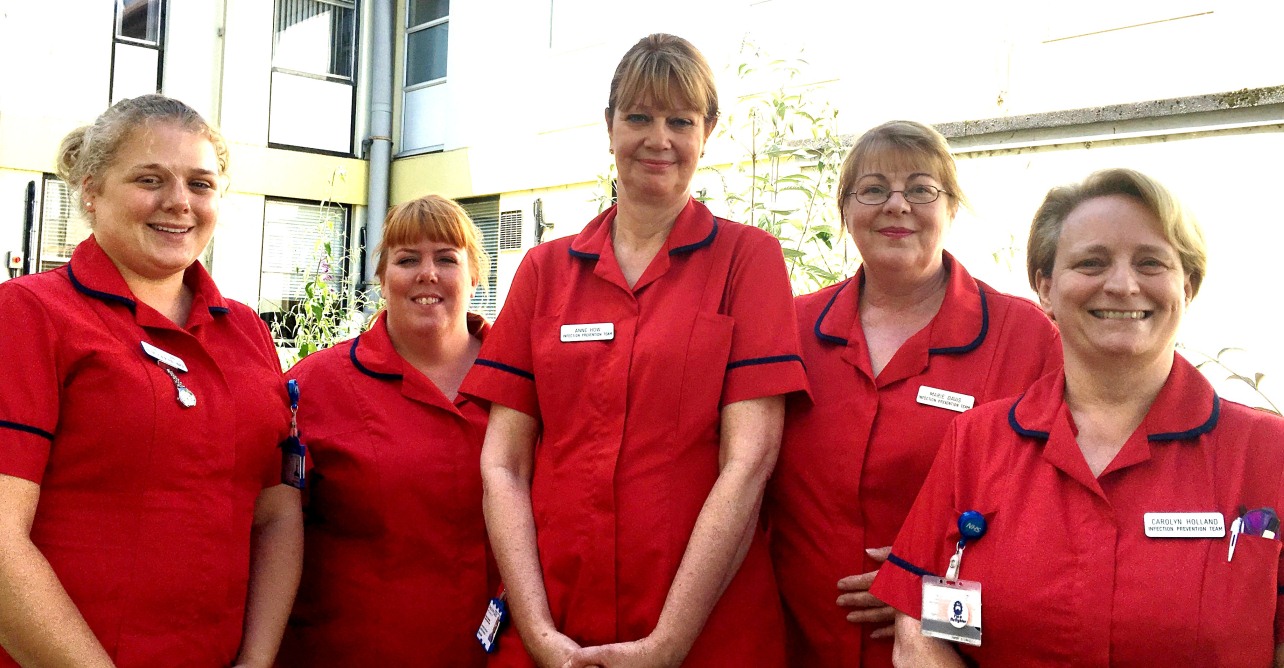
637, 377
142, 519
893, 354
1118, 513
397, 570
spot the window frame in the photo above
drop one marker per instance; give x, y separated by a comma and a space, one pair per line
343, 283
421, 27
352, 82
162, 29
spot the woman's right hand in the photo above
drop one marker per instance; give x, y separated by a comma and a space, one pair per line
551, 649
864, 608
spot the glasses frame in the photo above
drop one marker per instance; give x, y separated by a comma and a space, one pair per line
939, 192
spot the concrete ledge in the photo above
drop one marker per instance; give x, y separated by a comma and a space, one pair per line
1247, 99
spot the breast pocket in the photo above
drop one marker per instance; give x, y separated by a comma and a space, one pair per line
1237, 622
579, 381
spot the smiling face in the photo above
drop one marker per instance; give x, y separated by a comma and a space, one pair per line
155, 205
1117, 288
427, 286
896, 236
656, 151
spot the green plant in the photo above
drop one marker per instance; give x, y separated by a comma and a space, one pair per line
330, 310
784, 180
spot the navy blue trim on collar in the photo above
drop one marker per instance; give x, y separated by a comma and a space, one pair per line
775, 359
893, 559
985, 327
18, 426
504, 367
105, 296
219, 310
821, 318
1028, 433
582, 255
1190, 434
352, 354
699, 244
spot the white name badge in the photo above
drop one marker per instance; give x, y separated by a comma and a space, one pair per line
594, 331
1185, 525
170, 360
954, 401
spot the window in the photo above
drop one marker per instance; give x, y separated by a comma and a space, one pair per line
137, 48
427, 47
485, 214
302, 242
314, 46
62, 226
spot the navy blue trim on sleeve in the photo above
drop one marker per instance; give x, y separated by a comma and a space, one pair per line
980, 337
18, 426
352, 355
893, 559
699, 244
1028, 433
105, 296
775, 359
504, 367
1279, 591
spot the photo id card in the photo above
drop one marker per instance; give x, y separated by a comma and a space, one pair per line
952, 610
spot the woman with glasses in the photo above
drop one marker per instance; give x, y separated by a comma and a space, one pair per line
892, 355
1129, 514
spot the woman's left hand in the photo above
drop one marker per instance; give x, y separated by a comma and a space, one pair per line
644, 653
865, 608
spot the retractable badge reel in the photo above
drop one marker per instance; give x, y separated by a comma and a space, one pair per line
493, 622
294, 454
952, 607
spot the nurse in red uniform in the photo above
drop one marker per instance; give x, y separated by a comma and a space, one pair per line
1111, 493
142, 519
636, 376
396, 566
893, 354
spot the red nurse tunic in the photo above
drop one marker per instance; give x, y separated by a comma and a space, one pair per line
145, 506
1068, 575
629, 445
852, 461
395, 569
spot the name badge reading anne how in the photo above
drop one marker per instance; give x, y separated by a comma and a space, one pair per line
1185, 525
955, 401
593, 331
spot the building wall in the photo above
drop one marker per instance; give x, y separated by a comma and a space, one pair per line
217, 58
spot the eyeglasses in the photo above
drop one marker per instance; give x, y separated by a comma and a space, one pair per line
916, 194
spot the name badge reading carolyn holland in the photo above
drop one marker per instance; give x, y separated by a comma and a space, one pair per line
954, 401
1185, 525
593, 331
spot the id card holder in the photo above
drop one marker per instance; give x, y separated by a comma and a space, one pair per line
294, 454
493, 623
294, 457
952, 610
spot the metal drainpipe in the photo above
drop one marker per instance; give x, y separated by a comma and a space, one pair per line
380, 139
